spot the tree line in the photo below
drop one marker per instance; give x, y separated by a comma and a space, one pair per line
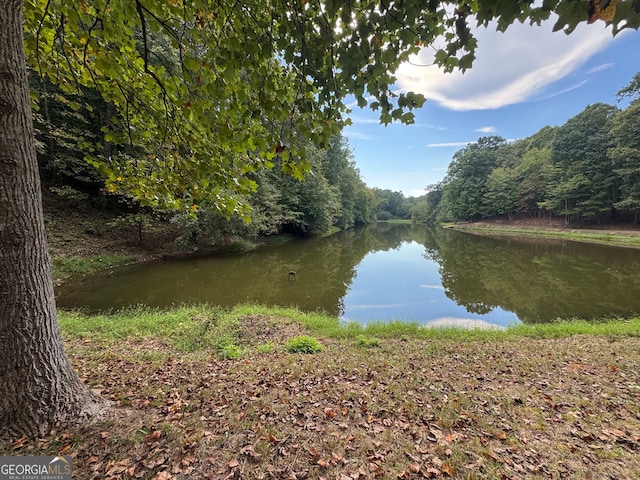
585, 170
330, 194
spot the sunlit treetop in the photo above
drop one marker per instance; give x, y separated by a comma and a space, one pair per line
206, 92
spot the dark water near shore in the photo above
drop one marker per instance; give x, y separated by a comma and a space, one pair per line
388, 271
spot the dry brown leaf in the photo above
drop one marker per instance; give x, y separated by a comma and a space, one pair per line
164, 475
449, 469
153, 437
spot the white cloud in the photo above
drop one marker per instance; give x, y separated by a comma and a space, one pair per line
360, 135
599, 68
356, 120
485, 129
453, 322
510, 67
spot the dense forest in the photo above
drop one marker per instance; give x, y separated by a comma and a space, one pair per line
587, 170
330, 195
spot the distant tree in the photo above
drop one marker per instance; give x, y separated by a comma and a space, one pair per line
625, 151
427, 207
587, 184
502, 187
466, 181
533, 173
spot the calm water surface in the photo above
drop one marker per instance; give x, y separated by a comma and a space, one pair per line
385, 272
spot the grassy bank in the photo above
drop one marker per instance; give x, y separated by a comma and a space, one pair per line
625, 238
205, 393
66, 266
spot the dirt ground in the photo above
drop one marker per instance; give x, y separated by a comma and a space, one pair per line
522, 409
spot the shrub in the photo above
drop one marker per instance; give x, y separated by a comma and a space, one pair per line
367, 342
303, 344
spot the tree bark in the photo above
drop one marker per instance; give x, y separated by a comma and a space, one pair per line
38, 386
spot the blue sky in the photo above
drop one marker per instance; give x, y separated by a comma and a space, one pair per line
522, 80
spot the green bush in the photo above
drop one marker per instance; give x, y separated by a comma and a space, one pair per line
303, 344
367, 342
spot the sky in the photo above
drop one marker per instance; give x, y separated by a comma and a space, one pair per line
522, 80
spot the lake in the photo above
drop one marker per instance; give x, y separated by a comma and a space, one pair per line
389, 272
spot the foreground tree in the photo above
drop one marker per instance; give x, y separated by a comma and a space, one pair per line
39, 385
204, 93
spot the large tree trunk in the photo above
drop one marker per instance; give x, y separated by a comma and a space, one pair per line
38, 386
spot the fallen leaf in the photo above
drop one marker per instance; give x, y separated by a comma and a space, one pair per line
431, 472
164, 475
449, 469
154, 436
330, 413
19, 443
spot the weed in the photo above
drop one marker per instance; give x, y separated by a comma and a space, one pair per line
229, 351
303, 344
363, 341
267, 347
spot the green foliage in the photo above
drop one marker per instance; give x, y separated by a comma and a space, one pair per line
267, 347
586, 169
303, 344
392, 205
69, 193
229, 351
184, 327
467, 177
363, 341
625, 155
187, 100
134, 221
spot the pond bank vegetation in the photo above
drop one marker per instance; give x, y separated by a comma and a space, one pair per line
200, 392
604, 236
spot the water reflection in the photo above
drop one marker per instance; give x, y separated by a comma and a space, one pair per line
539, 280
387, 272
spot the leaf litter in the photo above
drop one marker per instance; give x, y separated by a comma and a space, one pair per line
410, 408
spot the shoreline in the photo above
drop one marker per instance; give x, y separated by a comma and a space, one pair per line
621, 237
202, 393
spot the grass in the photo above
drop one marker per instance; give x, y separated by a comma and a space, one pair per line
591, 236
66, 266
201, 392
192, 328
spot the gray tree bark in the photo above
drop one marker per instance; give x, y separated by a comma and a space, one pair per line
38, 386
